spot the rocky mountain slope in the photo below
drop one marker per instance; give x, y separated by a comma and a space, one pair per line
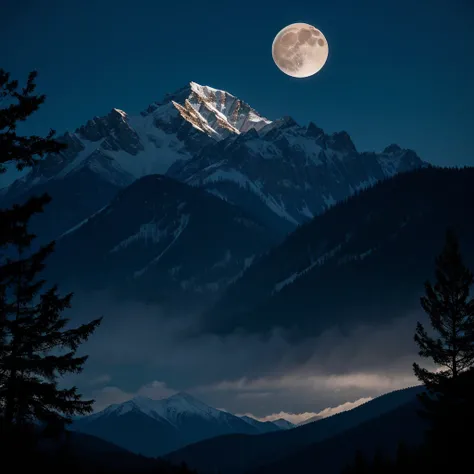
365, 260
285, 174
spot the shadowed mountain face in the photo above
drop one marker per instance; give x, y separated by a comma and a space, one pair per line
362, 261
158, 239
155, 427
238, 454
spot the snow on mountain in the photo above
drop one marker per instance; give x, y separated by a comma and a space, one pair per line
170, 409
150, 142
156, 427
218, 113
285, 174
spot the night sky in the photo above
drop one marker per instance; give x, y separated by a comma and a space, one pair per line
398, 72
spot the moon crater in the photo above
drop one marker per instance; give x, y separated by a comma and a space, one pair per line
300, 50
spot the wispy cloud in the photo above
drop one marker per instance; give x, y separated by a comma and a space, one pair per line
110, 395
139, 343
297, 418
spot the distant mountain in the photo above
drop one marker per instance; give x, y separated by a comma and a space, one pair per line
310, 420
158, 239
283, 424
155, 427
261, 426
328, 272
238, 454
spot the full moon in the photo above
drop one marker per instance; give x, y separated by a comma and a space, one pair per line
300, 50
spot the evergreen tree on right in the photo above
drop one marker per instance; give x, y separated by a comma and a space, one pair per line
447, 403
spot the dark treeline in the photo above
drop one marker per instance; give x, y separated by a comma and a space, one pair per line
448, 402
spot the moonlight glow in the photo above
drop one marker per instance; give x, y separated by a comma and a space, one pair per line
300, 50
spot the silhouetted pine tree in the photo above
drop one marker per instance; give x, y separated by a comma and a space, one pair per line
451, 313
33, 330
36, 347
448, 400
22, 151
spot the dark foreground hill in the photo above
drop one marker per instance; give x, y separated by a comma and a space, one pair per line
80, 453
364, 260
238, 454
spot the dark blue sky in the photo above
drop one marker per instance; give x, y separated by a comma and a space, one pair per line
398, 71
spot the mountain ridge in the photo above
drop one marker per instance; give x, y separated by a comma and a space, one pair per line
393, 228
154, 427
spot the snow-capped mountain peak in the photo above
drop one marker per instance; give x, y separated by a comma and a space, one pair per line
166, 132
156, 427
217, 113
171, 409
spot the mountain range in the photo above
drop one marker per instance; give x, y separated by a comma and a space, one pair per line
156, 427
235, 184
183, 429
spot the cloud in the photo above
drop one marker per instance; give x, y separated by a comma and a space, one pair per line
139, 343
297, 418
341, 408
110, 395
156, 390
100, 379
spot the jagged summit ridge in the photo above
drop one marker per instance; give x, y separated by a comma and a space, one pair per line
214, 112
150, 142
